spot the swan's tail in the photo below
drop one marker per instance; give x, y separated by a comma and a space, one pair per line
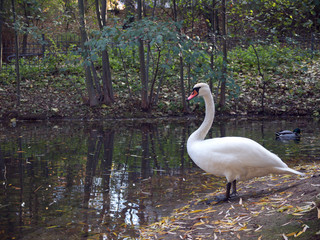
289, 170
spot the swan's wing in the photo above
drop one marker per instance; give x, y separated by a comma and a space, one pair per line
241, 152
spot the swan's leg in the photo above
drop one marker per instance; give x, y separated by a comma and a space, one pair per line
234, 188
227, 196
228, 190
221, 198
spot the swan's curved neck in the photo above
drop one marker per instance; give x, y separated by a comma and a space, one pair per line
204, 128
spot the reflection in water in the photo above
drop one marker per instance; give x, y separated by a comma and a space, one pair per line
79, 180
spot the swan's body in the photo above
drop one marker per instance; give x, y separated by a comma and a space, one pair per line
235, 158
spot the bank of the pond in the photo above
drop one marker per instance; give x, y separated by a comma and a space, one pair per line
297, 95
271, 207
67, 105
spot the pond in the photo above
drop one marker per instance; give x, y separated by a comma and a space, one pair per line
89, 180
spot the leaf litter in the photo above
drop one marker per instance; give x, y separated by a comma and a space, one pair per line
282, 202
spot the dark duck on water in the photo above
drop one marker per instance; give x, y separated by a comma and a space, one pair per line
288, 135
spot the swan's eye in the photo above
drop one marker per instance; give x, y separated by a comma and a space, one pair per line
195, 93
196, 90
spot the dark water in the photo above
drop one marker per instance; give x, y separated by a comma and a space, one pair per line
76, 180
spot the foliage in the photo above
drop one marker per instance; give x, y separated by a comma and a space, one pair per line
54, 63
274, 59
280, 17
164, 41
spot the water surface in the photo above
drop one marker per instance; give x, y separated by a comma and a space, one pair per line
80, 180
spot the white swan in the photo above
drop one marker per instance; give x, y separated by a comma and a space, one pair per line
235, 158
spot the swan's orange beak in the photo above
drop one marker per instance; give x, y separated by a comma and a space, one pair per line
193, 94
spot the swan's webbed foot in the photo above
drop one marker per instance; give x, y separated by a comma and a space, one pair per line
218, 199
234, 189
234, 195
227, 196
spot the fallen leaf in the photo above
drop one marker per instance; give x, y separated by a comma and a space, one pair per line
291, 234
284, 208
198, 224
52, 227
196, 211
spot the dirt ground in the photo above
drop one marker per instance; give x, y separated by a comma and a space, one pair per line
272, 207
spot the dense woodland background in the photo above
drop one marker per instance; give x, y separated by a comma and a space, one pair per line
111, 59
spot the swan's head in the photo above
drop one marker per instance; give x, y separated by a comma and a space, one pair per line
200, 89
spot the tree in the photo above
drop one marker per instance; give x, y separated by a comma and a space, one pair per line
27, 14
106, 69
222, 101
95, 92
16, 44
181, 64
144, 83
1, 22
93, 98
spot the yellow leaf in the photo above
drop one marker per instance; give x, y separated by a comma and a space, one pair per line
283, 208
196, 211
104, 106
243, 228
198, 223
299, 233
53, 227
291, 234
211, 211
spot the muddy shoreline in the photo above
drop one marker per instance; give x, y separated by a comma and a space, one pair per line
271, 207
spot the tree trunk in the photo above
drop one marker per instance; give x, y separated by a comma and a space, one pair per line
1, 21
182, 87
107, 79
93, 100
155, 74
183, 93
143, 76
175, 13
213, 36
222, 102
27, 22
262, 77
16, 44
99, 20
108, 96
103, 11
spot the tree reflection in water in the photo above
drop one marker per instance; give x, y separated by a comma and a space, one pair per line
68, 180
77, 180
